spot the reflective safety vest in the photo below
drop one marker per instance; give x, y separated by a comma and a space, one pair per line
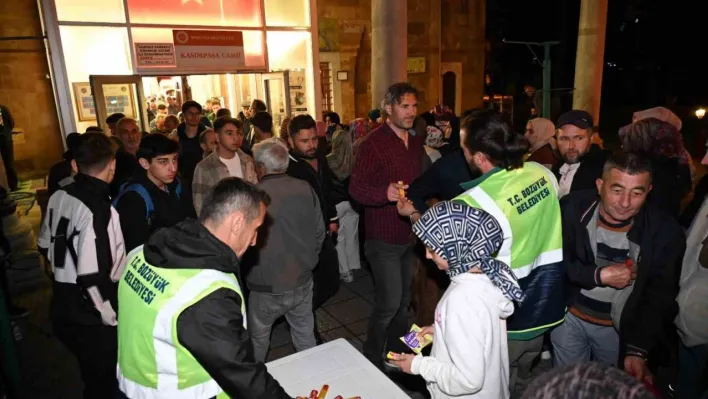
525, 203
152, 364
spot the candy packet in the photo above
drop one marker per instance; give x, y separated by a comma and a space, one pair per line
414, 342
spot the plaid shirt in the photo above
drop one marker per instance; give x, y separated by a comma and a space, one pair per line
383, 159
211, 170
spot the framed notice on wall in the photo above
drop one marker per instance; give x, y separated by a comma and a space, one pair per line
84, 101
120, 98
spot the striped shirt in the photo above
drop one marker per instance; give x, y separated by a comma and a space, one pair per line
612, 248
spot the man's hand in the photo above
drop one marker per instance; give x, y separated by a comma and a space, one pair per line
637, 368
616, 276
334, 228
405, 207
393, 192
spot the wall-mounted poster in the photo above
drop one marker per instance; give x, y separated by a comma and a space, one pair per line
120, 98
84, 101
298, 93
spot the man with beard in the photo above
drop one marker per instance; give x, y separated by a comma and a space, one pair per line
226, 161
522, 198
582, 161
306, 163
388, 159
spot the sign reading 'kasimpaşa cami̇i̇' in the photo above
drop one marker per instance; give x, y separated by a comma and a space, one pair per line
211, 49
194, 51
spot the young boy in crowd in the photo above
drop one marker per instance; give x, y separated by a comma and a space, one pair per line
82, 239
469, 358
153, 197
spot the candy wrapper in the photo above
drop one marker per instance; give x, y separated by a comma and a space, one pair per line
414, 342
401, 192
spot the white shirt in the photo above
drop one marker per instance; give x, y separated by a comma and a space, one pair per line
470, 357
234, 166
567, 174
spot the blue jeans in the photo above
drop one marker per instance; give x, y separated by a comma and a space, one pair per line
577, 341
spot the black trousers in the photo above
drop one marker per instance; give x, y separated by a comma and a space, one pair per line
96, 349
8, 159
326, 274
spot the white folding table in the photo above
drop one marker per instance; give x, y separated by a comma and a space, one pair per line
338, 364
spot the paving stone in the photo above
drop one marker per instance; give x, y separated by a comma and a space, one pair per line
358, 327
342, 295
349, 311
325, 321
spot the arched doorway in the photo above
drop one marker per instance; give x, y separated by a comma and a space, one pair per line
449, 89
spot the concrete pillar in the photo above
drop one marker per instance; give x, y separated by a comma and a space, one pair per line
389, 46
590, 57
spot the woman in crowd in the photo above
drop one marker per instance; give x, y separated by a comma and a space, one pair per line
341, 161
541, 134
434, 140
359, 129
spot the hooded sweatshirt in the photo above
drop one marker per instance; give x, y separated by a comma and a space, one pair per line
212, 328
470, 358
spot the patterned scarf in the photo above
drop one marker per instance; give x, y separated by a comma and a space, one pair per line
359, 128
434, 138
467, 237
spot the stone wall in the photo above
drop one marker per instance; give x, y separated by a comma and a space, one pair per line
345, 28
26, 89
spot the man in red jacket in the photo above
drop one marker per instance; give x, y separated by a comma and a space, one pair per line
388, 159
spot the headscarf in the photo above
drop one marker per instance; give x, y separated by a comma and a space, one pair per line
443, 116
359, 128
660, 113
340, 160
467, 237
591, 380
442, 113
434, 137
544, 132
654, 138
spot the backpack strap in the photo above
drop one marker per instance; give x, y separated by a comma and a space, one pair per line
142, 191
178, 189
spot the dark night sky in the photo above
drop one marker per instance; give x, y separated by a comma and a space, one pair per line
653, 51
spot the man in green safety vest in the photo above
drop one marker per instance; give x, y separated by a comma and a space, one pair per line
182, 320
523, 198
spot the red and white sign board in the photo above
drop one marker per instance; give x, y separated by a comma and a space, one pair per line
155, 55
208, 50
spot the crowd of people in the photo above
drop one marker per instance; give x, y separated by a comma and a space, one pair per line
174, 252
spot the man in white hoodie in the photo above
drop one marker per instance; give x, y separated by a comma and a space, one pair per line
469, 358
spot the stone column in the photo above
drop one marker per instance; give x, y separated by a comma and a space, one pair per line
590, 57
389, 46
